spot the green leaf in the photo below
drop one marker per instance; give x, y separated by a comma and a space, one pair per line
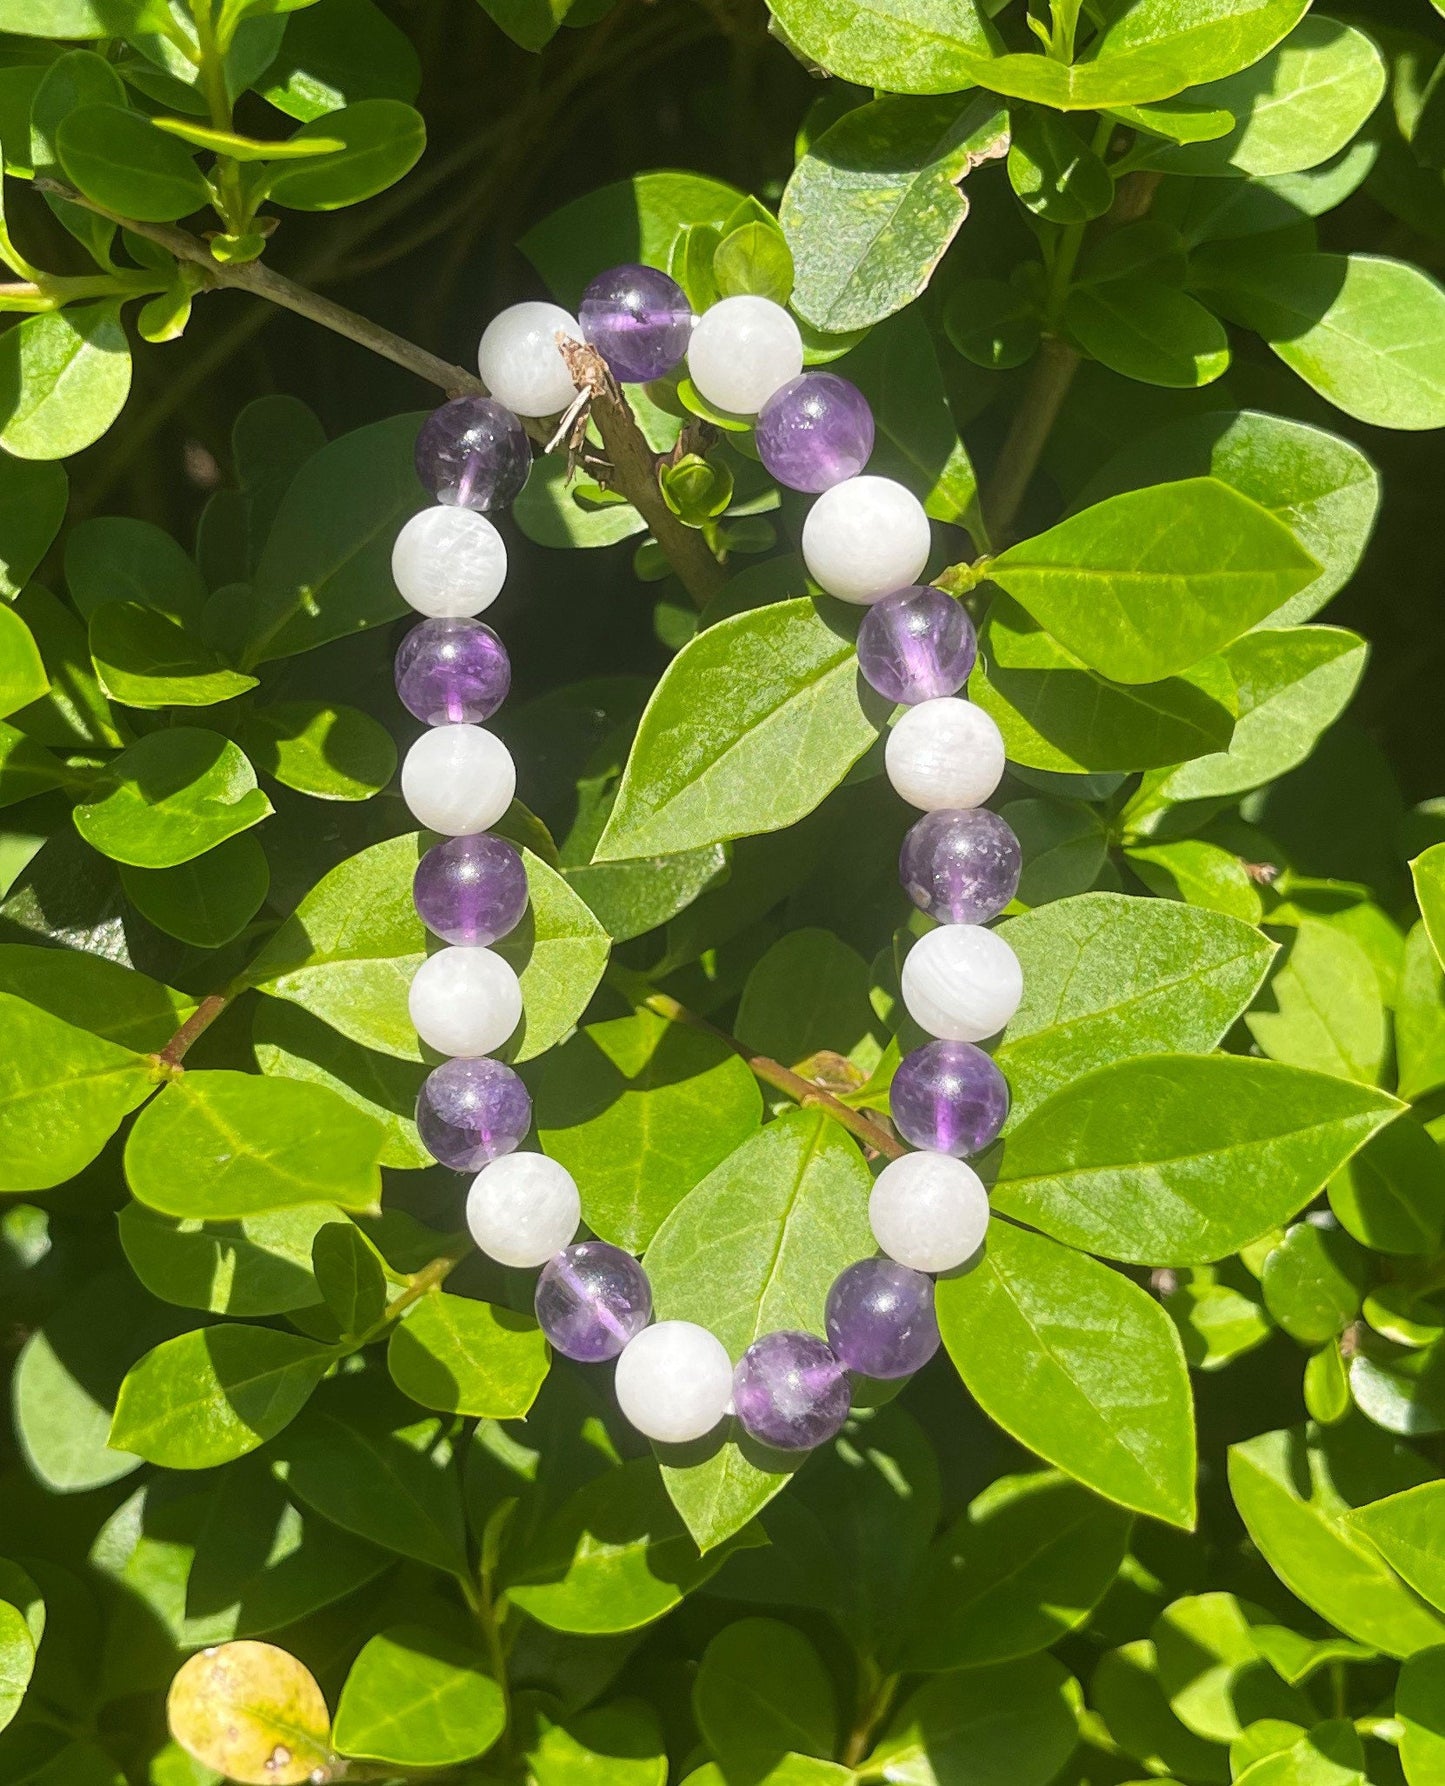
1420, 1708
418, 1698
1313, 1281
1008, 1725
755, 258
1367, 333
63, 1093
809, 993
169, 797
241, 1707
906, 46
382, 140
350, 1276
1056, 713
260, 1265
612, 1745
221, 1145
753, 723
1080, 1365
337, 52
793, 1198
1216, 1322
1329, 1755
1200, 873
556, 510
1127, 1695
1420, 1017
630, 898
325, 749
1026, 1564
206, 901
22, 674
1108, 978
761, 1693
115, 558
1295, 1490
468, 1357
325, 569
639, 1110
871, 208
33, 497
993, 324
17, 1660
1202, 1154
1147, 330
144, 659
206, 1397
95, 994
1391, 1195
531, 23
64, 378
1329, 1015
1427, 871
1406, 1529
1212, 1671
246, 148
1053, 171
1216, 561
1400, 1392
120, 160
1064, 848
614, 1557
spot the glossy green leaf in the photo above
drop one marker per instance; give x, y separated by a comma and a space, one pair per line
33, 497
1053, 171
871, 208
1211, 1668
1391, 1194
1147, 330
95, 994
418, 1698
329, 751
259, 1265
120, 160
223, 1145
1295, 1490
208, 900
246, 148
17, 1660
349, 1275
809, 994
1330, 1754
206, 1397
144, 659
1406, 1529
1218, 561
1011, 1724
919, 46
762, 1692
22, 674
1420, 1017
611, 1745
1328, 1013
382, 140
1216, 1322
116, 558
1428, 873
335, 53
1127, 1694
1200, 873
170, 797
64, 378
1080, 1365
1420, 1708
468, 1357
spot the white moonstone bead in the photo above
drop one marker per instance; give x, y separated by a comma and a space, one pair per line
742, 350
458, 779
523, 1208
465, 1001
865, 538
929, 1211
674, 1381
944, 754
962, 982
520, 361
449, 562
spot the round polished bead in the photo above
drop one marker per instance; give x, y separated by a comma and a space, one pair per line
880, 1319
814, 432
948, 1097
449, 561
464, 1001
638, 319
473, 453
944, 753
452, 672
961, 983
928, 1211
960, 866
470, 890
520, 361
865, 537
457, 779
470, 1111
674, 1382
742, 350
916, 644
790, 1391
592, 1299
523, 1208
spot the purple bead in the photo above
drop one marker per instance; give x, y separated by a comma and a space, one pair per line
916, 644
790, 1391
452, 672
639, 320
591, 1299
472, 1111
470, 890
473, 453
880, 1319
814, 432
960, 867
949, 1097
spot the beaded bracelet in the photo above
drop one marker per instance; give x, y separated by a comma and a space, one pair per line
865, 540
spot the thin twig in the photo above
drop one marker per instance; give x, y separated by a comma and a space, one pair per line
200, 1020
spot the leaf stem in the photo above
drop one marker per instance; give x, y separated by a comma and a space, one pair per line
480, 1605
200, 1020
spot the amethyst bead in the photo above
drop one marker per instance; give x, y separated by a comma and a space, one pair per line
815, 432
639, 320
916, 644
949, 1097
790, 1391
452, 672
471, 1111
473, 453
961, 867
592, 1299
880, 1319
470, 890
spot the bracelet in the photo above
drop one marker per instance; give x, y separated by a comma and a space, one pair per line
865, 540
